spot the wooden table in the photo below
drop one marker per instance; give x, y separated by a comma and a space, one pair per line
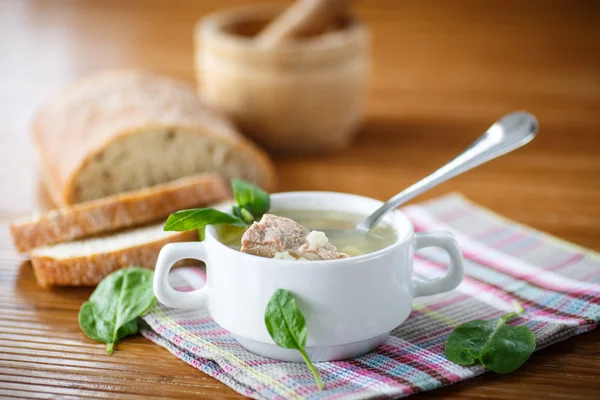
443, 71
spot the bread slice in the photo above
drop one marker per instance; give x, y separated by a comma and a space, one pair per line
125, 130
86, 262
117, 212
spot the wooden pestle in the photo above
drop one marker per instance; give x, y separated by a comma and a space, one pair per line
303, 18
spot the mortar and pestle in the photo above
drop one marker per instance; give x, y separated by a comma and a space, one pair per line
292, 79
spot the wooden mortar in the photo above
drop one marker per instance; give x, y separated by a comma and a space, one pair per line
303, 95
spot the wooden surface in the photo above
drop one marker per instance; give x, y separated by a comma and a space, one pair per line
443, 71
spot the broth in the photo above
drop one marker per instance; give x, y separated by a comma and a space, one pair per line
379, 238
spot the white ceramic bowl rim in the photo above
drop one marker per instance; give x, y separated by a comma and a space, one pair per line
401, 238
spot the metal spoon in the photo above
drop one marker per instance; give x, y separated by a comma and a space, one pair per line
507, 134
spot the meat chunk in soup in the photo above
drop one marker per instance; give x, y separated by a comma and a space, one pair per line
278, 237
273, 235
317, 247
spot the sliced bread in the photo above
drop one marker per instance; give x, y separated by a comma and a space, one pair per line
125, 130
86, 262
117, 212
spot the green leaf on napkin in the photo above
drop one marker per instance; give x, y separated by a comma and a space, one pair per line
287, 326
498, 347
112, 310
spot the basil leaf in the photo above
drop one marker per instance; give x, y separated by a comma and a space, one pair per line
250, 197
287, 326
110, 313
187, 220
499, 347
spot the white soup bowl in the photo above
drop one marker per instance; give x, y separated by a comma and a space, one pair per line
350, 304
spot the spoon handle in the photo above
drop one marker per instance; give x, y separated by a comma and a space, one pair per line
507, 134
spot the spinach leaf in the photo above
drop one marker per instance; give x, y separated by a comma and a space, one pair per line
251, 198
287, 326
197, 218
110, 313
202, 233
499, 347
243, 214
252, 203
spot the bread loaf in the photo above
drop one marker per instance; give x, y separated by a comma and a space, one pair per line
125, 130
87, 262
117, 212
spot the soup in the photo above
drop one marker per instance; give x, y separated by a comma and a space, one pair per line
379, 238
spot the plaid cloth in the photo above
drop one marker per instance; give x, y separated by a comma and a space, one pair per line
557, 283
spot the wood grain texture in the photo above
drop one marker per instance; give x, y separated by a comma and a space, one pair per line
443, 71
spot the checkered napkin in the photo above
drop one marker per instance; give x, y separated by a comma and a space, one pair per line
557, 283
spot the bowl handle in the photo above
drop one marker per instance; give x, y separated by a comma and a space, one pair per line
455, 274
164, 292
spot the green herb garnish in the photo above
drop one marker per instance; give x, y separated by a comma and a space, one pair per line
498, 347
196, 218
112, 310
287, 326
243, 214
250, 198
252, 203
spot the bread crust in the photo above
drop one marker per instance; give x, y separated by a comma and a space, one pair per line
78, 124
89, 270
118, 212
